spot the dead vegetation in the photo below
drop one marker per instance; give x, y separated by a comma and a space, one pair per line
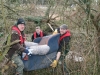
84, 56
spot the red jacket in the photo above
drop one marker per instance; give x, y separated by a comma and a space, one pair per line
65, 35
41, 34
22, 39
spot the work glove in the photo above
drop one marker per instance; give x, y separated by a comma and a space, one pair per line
25, 54
55, 32
54, 64
26, 51
30, 52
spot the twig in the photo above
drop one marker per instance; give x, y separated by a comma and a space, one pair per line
50, 26
7, 48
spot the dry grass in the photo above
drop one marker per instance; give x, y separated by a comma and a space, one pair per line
83, 43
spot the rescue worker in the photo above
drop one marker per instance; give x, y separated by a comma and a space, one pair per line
15, 50
38, 33
63, 44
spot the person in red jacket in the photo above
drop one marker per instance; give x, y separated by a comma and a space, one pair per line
63, 43
15, 50
38, 33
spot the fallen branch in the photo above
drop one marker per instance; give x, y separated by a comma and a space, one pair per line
6, 49
50, 26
